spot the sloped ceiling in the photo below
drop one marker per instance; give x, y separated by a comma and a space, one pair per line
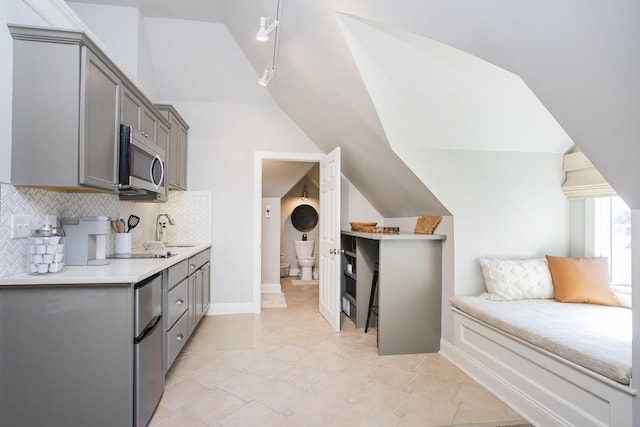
279, 177
581, 59
430, 96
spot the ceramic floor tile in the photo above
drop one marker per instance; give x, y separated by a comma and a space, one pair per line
180, 420
186, 364
393, 377
421, 407
405, 362
255, 414
301, 376
320, 406
287, 368
181, 393
288, 353
338, 384
244, 385
477, 404
279, 396
161, 415
383, 396
438, 366
211, 406
352, 367
437, 387
214, 373
367, 414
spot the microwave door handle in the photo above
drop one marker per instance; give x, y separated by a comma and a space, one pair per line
156, 159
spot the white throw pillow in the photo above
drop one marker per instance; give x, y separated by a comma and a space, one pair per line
516, 279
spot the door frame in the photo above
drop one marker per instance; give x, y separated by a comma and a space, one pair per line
258, 157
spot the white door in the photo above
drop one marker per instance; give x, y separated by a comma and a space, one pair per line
330, 257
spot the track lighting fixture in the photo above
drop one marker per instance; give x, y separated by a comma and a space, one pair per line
266, 26
266, 76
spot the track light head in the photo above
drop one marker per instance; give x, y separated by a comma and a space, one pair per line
266, 76
266, 26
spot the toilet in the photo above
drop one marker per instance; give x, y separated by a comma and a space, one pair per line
305, 258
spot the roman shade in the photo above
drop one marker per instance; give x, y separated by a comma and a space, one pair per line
582, 179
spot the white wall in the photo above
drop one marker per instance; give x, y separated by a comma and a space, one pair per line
504, 205
270, 254
102, 18
354, 207
222, 142
117, 27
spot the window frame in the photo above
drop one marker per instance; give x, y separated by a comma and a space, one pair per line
600, 236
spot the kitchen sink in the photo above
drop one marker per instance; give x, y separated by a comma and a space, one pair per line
140, 255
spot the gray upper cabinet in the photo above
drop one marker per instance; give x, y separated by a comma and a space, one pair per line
66, 112
178, 148
99, 130
69, 100
131, 106
140, 115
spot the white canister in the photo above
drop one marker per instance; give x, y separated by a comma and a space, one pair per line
46, 249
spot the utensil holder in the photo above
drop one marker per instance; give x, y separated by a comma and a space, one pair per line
123, 243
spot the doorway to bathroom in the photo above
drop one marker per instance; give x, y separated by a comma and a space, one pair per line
290, 231
309, 182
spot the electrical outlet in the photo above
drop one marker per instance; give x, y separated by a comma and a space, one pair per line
20, 226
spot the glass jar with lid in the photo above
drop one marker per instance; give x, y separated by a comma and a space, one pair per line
46, 250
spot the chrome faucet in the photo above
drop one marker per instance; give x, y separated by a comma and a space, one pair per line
160, 226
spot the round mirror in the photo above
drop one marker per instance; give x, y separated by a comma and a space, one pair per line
304, 218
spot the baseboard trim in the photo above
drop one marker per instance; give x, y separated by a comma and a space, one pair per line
271, 288
231, 308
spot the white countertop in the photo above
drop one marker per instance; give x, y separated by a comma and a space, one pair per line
394, 236
117, 272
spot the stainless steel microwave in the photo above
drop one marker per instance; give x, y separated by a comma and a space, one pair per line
141, 166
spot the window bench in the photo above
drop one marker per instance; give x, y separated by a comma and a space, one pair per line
548, 360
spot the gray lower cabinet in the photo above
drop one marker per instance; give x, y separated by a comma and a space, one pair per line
187, 299
66, 355
199, 275
66, 112
176, 322
67, 350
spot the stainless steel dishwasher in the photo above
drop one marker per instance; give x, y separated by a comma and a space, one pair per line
149, 377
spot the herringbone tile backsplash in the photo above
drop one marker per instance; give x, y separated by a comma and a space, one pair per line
191, 211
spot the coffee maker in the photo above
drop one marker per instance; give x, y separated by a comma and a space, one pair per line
86, 240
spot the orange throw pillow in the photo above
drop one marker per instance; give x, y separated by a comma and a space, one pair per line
581, 280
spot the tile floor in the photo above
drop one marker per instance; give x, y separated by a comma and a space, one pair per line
285, 367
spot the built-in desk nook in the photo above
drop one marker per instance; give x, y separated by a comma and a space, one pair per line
409, 288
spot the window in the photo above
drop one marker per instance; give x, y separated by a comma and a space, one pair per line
612, 237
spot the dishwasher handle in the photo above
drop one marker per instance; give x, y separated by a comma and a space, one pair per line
148, 330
